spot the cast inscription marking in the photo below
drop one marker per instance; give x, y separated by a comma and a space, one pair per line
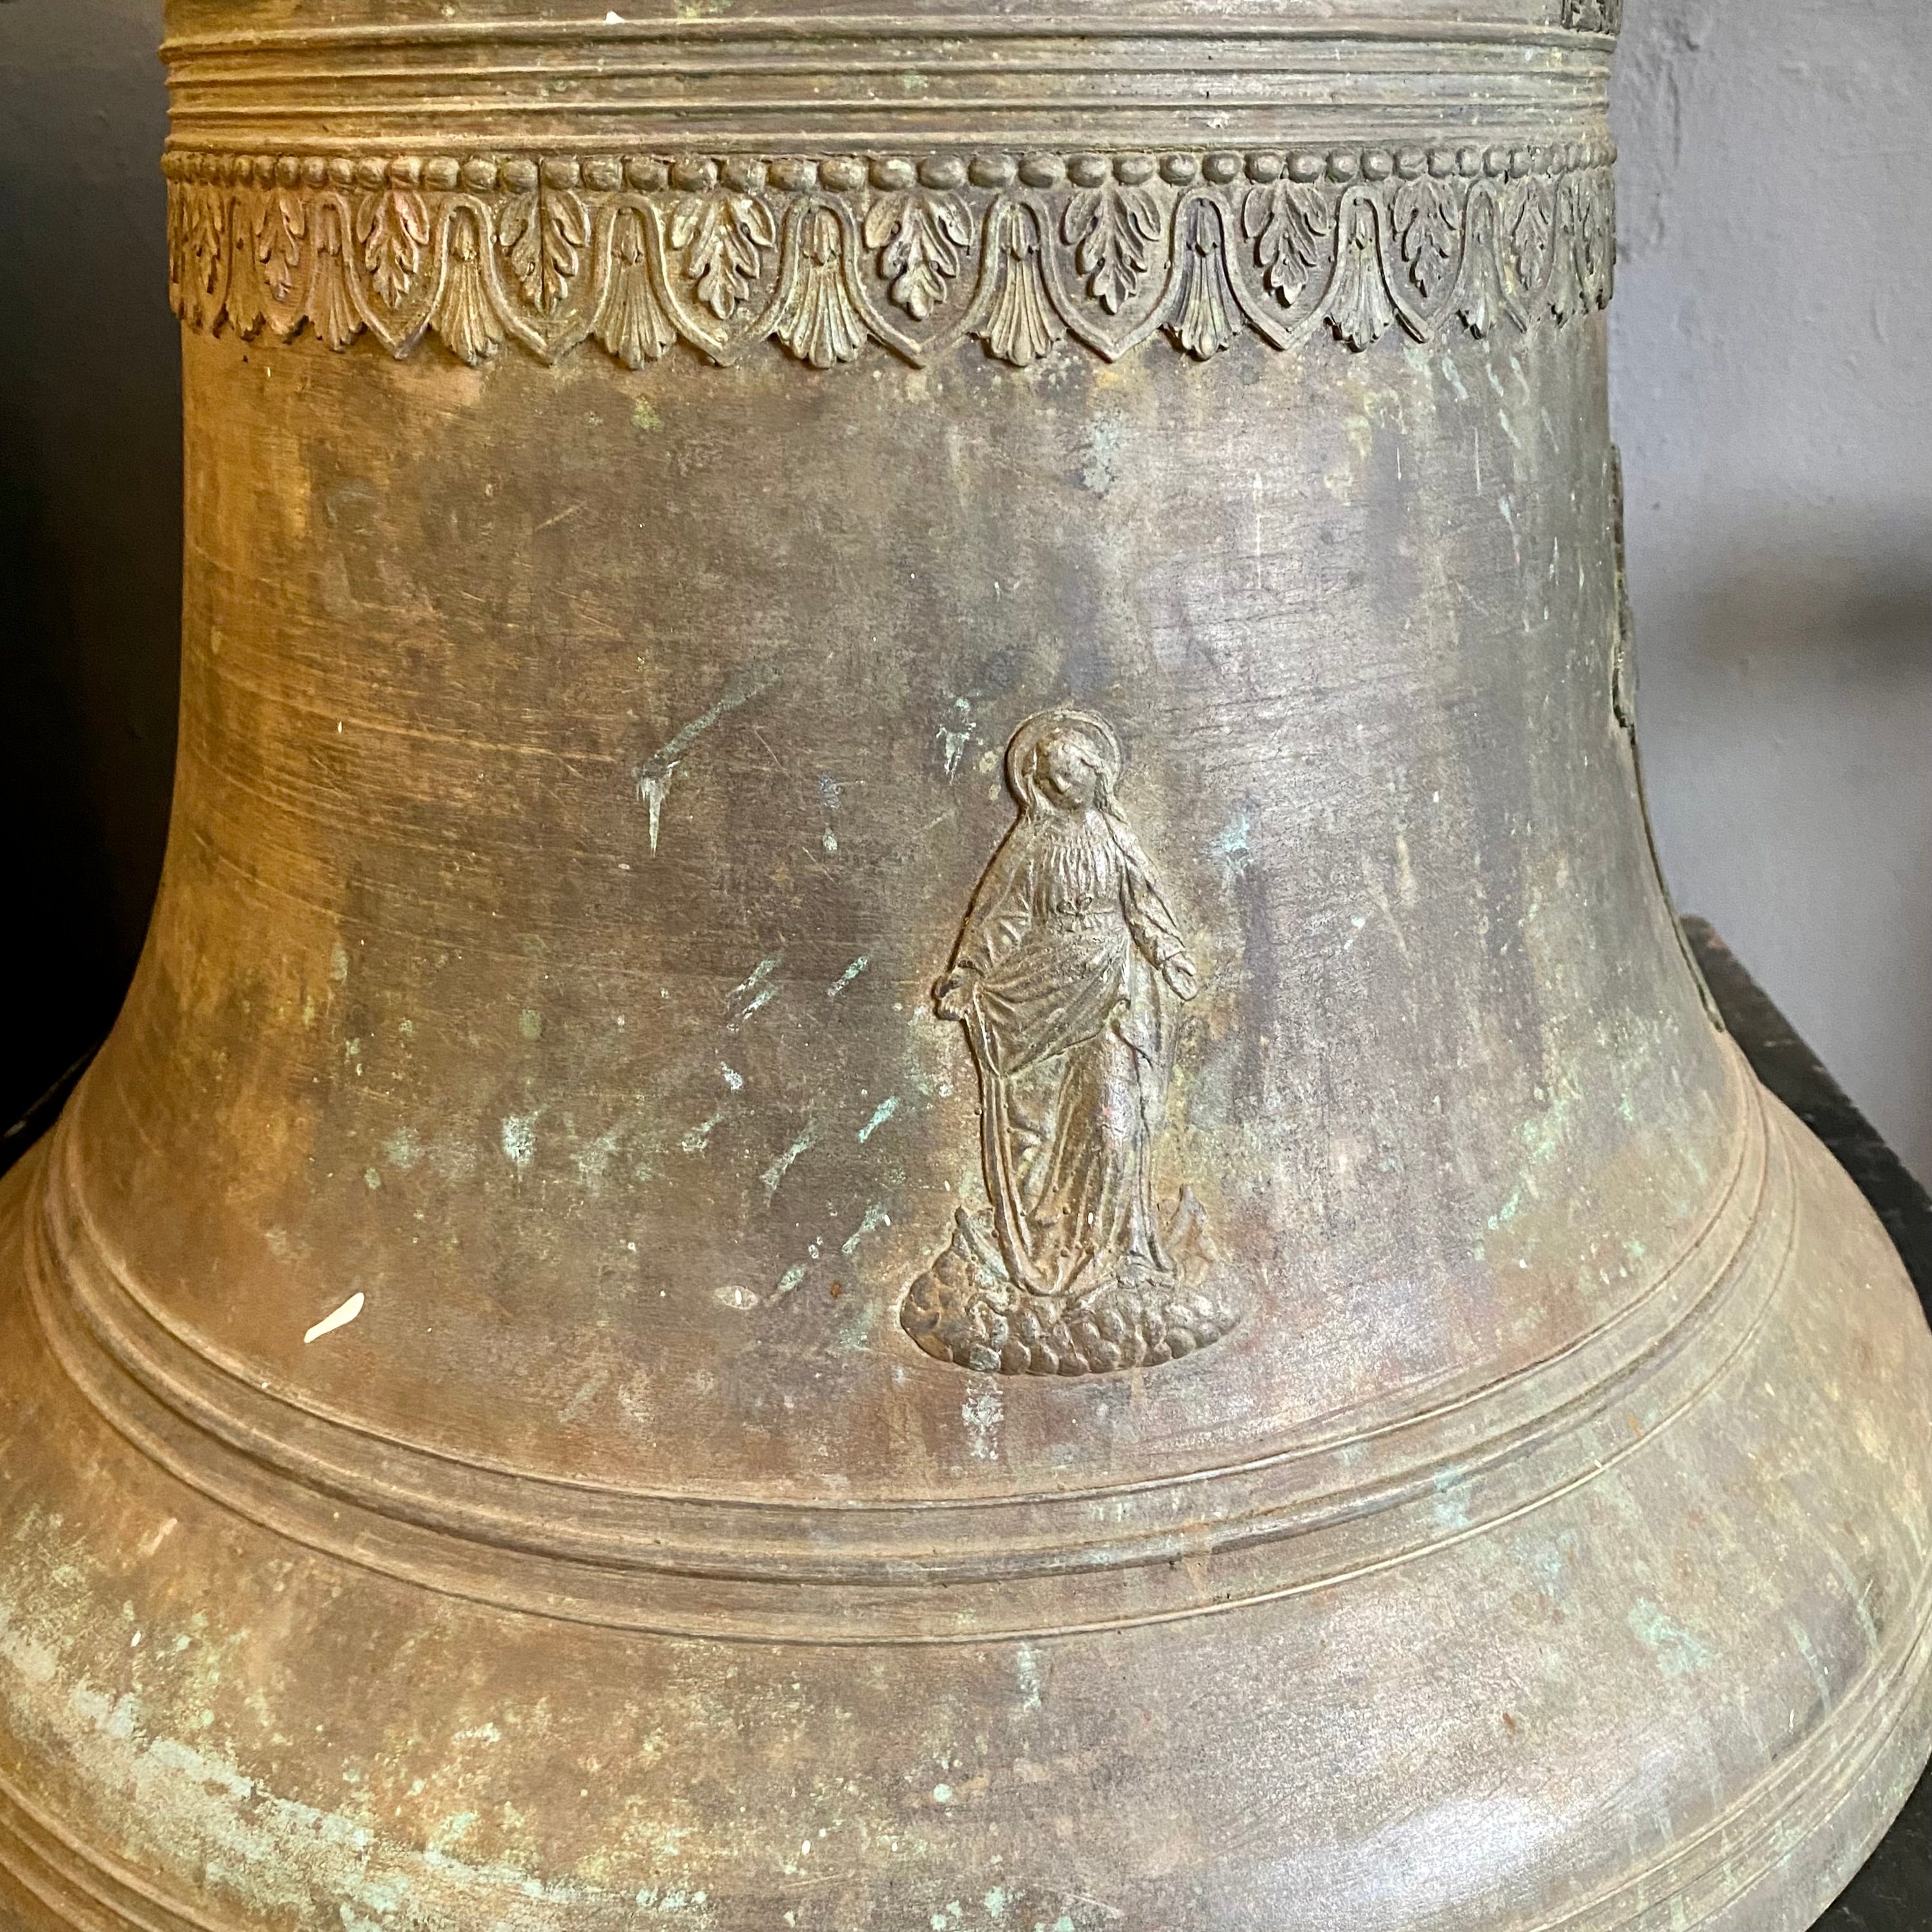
1067, 978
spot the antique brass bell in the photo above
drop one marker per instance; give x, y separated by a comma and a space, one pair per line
913, 1137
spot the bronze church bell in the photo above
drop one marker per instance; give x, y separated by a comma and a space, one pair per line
913, 1137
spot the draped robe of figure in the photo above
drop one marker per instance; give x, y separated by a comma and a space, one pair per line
1062, 952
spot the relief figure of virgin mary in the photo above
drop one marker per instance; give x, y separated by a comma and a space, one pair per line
1067, 979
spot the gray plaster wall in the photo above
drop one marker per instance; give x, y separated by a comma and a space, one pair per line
1772, 338
1774, 398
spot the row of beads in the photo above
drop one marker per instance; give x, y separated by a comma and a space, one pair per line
744, 174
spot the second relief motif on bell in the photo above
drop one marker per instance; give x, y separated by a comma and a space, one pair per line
1067, 979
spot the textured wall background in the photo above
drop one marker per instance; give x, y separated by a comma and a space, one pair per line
1773, 400
1774, 373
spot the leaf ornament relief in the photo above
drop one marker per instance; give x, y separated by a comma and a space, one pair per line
1484, 302
393, 227
1289, 223
465, 317
723, 238
279, 229
1598, 245
1429, 222
1023, 324
1360, 310
825, 257
180, 199
921, 238
246, 311
332, 312
1112, 232
818, 321
1206, 317
543, 232
1531, 229
206, 228
630, 322
1567, 296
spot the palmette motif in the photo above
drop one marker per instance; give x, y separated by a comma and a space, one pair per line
824, 256
1065, 979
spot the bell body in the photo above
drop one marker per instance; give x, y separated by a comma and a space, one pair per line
913, 1135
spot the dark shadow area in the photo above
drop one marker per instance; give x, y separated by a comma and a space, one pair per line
67, 970
90, 523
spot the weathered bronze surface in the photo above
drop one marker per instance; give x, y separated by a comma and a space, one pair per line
913, 1137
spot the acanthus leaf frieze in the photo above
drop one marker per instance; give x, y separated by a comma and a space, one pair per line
826, 256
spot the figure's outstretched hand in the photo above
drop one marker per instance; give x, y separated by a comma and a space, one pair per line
953, 996
1184, 980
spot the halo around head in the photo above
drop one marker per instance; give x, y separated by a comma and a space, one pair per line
1095, 735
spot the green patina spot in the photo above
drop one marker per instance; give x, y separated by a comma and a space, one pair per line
1679, 1652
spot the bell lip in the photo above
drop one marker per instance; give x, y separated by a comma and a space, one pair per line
1829, 1819
1832, 1823
1771, 1859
